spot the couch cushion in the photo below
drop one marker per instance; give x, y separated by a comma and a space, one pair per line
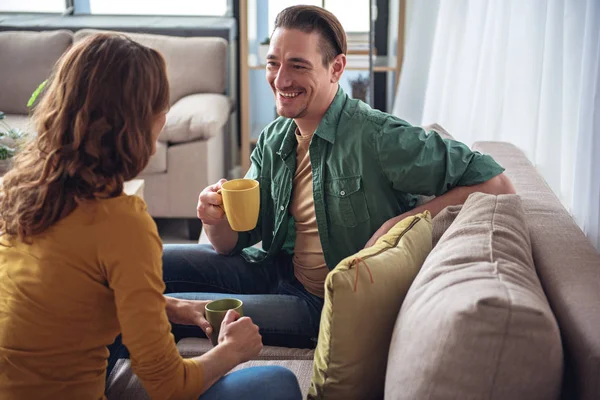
124, 384
197, 116
568, 267
194, 64
26, 60
158, 162
442, 222
363, 295
193, 347
476, 323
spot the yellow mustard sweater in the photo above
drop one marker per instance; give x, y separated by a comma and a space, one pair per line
66, 296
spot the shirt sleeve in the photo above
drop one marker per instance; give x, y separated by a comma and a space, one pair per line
250, 238
423, 163
133, 265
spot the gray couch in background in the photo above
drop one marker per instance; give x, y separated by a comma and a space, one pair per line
191, 149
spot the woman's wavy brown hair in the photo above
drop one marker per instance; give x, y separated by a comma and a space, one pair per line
94, 123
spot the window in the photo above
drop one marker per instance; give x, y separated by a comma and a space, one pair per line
354, 18
42, 6
159, 7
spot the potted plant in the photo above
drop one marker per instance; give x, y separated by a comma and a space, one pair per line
360, 87
13, 138
10, 140
263, 49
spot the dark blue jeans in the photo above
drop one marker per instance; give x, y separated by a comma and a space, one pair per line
286, 313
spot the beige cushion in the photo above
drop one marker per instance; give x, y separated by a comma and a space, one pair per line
26, 60
158, 162
476, 323
568, 266
363, 295
194, 64
442, 222
124, 384
197, 116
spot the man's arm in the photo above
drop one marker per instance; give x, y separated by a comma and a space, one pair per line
419, 163
225, 240
500, 184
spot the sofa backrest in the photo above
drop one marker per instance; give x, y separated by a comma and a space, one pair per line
568, 267
194, 64
26, 60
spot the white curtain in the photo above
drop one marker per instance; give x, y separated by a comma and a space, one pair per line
521, 71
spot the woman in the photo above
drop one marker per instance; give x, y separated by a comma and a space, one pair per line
80, 262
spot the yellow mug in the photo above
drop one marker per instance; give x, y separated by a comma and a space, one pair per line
241, 203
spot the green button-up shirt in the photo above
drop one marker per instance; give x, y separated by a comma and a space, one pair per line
367, 167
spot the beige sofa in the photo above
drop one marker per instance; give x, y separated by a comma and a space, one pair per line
566, 263
191, 148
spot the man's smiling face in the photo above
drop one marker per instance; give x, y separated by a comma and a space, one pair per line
302, 85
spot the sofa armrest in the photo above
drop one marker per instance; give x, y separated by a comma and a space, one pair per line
196, 117
568, 267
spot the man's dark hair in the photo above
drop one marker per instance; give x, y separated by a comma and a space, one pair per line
312, 18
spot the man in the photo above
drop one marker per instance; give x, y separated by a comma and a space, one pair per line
334, 176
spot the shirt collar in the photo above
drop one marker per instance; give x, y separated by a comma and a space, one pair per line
327, 128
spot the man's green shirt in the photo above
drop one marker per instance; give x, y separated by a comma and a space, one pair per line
367, 167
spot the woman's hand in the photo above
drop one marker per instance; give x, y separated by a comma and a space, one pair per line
188, 312
240, 336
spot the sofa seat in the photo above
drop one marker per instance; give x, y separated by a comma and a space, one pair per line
124, 384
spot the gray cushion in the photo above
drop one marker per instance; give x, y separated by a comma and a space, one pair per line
194, 64
476, 323
442, 222
26, 60
568, 267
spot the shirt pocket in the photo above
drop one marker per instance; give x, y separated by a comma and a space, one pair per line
346, 201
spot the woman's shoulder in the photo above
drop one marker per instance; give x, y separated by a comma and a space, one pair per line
124, 210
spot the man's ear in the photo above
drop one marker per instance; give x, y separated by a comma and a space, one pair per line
337, 67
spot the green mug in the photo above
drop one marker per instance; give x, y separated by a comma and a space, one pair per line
215, 312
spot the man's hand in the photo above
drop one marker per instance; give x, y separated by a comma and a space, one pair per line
188, 312
209, 209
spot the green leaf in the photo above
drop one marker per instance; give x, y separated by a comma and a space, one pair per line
2, 115
6, 152
36, 93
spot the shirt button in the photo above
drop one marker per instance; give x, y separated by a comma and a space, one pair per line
282, 208
342, 193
